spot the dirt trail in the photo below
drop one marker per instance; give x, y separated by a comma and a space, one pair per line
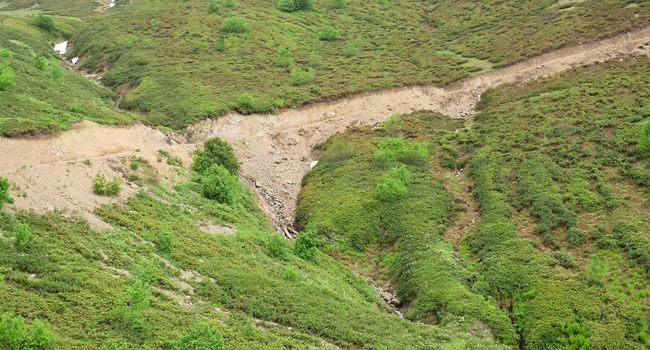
275, 150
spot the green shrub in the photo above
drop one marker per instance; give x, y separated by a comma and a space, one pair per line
22, 235
6, 53
394, 149
338, 151
328, 33
131, 305
283, 58
213, 7
234, 24
4, 192
45, 22
218, 184
164, 241
644, 139
7, 78
393, 185
246, 103
229, 3
315, 60
57, 74
565, 259
301, 77
203, 336
306, 245
338, 4
351, 49
215, 151
277, 247
575, 236
220, 44
103, 187
40, 62
294, 5
16, 335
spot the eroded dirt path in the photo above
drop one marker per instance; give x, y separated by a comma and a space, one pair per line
275, 150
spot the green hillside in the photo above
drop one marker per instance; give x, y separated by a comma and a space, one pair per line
561, 238
181, 62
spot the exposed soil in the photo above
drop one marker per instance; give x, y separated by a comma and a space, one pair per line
275, 150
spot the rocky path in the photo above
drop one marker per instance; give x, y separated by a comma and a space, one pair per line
275, 150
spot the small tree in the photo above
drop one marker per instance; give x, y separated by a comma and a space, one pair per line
4, 192
215, 151
45, 22
16, 335
277, 247
301, 77
213, 7
203, 336
22, 234
103, 187
218, 184
7, 78
234, 24
392, 186
246, 103
131, 306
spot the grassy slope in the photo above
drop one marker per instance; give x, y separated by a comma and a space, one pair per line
167, 52
72, 277
563, 231
38, 101
77, 8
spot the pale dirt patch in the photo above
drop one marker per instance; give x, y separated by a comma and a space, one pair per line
275, 150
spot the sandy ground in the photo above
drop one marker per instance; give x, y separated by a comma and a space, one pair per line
275, 150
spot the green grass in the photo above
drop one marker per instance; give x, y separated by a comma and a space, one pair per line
52, 97
169, 60
76, 8
548, 162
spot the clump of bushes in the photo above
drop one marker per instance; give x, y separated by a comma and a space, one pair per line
7, 78
644, 139
220, 44
215, 151
306, 245
40, 62
234, 24
131, 305
301, 77
338, 4
213, 7
6, 53
45, 22
164, 241
283, 58
15, 334
328, 33
202, 336
103, 187
351, 49
22, 236
394, 149
277, 247
338, 151
294, 5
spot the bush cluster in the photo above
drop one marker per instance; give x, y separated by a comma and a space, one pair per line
103, 187
393, 185
234, 24
15, 334
215, 151
5, 197
294, 5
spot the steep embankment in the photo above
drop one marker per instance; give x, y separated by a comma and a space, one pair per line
275, 150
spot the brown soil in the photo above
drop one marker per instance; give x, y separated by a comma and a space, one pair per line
275, 150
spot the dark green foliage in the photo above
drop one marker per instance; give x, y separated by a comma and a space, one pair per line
575, 236
103, 187
565, 259
6, 53
576, 336
5, 197
16, 335
328, 33
351, 49
234, 24
203, 336
44, 22
215, 151
220, 44
338, 4
7, 78
337, 151
218, 184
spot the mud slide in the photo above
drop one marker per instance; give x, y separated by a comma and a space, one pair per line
275, 150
